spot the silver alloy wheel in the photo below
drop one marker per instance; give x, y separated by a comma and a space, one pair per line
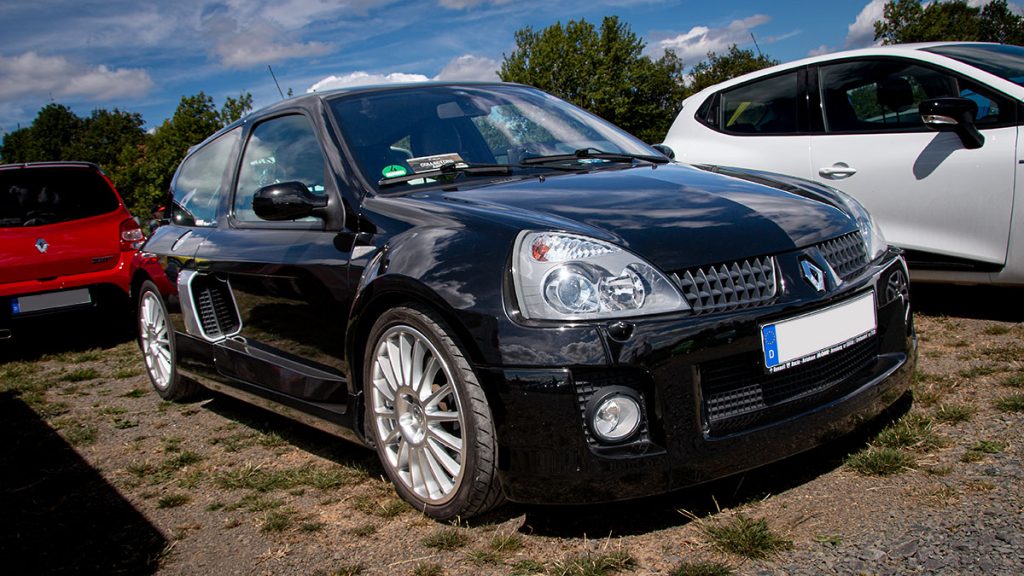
417, 414
154, 337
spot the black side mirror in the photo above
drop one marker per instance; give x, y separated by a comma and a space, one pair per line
288, 201
666, 150
953, 115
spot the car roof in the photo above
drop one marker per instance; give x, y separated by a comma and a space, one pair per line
917, 49
52, 164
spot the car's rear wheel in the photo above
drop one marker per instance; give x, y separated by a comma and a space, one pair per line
156, 340
428, 416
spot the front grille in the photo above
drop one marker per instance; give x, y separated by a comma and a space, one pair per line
216, 312
846, 254
729, 286
738, 394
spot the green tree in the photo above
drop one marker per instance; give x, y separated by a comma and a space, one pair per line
909, 21
603, 71
719, 68
49, 137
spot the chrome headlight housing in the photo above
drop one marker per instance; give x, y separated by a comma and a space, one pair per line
874, 240
562, 276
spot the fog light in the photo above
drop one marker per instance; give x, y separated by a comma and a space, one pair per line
614, 414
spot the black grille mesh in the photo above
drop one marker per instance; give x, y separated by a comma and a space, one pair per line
730, 286
846, 254
738, 394
216, 314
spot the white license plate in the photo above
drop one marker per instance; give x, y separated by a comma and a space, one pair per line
797, 340
50, 301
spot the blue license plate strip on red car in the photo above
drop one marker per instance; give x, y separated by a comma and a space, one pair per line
793, 341
50, 301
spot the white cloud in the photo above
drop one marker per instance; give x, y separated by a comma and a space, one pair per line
31, 74
463, 4
820, 50
861, 33
295, 14
361, 78
469, 67
255, 44
693, 46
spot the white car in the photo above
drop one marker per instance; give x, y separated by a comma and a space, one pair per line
926, 136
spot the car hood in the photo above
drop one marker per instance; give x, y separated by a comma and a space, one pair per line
675, 216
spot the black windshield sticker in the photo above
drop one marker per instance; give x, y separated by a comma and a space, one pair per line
427, 163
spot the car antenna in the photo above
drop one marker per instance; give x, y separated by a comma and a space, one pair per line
759, 55
275, 81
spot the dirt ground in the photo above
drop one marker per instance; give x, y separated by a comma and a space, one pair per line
101, 476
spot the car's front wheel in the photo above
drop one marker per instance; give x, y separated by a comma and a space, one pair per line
428, 416
156, 340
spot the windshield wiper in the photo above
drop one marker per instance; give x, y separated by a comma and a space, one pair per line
451, 169
594, 153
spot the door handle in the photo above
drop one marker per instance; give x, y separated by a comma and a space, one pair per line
837, 171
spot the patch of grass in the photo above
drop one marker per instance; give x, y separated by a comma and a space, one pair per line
954, 413
134, 393
76, 432
278, 520
349, 570
877, 461
828, 539
746, 537
311, 526
386, 507
912, 431
450, 538
527, 568
125, 423
588, 564
976, 372
1011, 403
1014, 380
506, 543
701, 569
181, 460
80, 375
481, 557
271, 440
363, 530
112, 410
126, 372
192, 479
427, 569
996, 329
255, 503
988, 447
214, 506
173, 500
971, 456
1008, 353
255, 477
172, 444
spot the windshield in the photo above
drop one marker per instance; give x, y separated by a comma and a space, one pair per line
399, 133
1000, 59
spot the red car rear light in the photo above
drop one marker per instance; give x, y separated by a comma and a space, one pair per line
131, 235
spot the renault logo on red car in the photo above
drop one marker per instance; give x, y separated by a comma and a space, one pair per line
42, 246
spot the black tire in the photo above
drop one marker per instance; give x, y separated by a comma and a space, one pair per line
416, 430
156, 341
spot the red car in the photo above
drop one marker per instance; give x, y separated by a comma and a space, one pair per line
66, 241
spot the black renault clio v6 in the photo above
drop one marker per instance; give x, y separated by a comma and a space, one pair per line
509, 298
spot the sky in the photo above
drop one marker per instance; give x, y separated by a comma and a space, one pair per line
143, 56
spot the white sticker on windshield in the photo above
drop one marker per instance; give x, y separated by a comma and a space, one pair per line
426, 163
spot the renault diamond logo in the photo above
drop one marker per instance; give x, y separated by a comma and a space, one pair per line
814, 276
42, 246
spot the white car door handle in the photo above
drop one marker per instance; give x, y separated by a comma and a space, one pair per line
837, 171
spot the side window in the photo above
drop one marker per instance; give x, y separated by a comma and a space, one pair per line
283, 149
197, 187
768, 106
883, 95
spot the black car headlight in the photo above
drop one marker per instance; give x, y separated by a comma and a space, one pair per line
561, 276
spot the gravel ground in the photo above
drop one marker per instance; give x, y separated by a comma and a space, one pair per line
100, 476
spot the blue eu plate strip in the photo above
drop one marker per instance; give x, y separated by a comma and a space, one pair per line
771, 346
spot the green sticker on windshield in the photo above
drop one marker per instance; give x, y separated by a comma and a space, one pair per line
394, 171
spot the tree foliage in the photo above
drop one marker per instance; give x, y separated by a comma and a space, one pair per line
719, 68
140, 164
602, 70
910, 21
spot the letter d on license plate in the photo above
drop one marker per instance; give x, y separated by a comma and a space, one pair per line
797, 340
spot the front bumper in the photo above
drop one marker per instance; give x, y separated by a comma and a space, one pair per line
710, 408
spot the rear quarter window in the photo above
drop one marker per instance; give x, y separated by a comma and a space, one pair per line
40, 196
